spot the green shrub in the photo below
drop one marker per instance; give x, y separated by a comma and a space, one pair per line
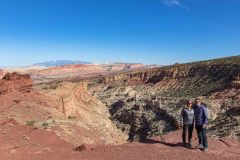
30, 123
45, 125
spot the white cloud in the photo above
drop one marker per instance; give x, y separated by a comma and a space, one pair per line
175, 3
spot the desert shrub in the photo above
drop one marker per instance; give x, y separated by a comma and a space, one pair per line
30, 123
53, 87
45, 87
71, 117
45, 125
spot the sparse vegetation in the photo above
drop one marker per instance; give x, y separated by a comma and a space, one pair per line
30, 123
53, 86
45, 125
170, 86
71, 117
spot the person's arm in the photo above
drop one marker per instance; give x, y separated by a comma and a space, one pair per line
181, 117
205, 117
193, 118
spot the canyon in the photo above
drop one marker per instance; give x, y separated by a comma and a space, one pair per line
93, 111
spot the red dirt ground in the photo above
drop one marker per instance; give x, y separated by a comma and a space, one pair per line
28, 143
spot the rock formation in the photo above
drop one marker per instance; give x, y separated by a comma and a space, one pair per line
170, 86
13, 82
1, 74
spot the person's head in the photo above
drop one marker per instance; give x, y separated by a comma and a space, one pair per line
189, 103
197, 101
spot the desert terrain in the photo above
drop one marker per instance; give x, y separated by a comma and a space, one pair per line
117, 111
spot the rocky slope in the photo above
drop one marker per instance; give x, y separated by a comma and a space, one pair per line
66, 108
154, 94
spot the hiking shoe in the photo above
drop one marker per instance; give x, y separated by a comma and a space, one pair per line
189, 145
205, 149
200, 146
184, 145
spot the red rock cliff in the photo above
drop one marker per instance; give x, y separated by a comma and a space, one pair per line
15, 82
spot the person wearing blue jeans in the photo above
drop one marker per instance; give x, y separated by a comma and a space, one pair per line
201, 121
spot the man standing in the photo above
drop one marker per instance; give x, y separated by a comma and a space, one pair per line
201, 121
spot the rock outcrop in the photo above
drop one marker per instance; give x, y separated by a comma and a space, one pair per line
66, 108
142, 119
77, 104
1, 74
13, 82
236, 81
135, 77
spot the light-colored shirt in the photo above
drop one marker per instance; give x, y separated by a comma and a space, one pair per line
187, 115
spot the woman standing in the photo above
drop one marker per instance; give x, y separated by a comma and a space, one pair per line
187, 121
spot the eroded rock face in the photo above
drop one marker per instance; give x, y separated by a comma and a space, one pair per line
66, 108
1, 74
236, 81
82, 71
170, 87
135, 77
227, 125
181, 80
78, 105
13, 82
142, 119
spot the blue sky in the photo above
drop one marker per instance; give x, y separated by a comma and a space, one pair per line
145, 31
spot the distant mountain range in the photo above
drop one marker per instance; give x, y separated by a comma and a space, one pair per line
60, 63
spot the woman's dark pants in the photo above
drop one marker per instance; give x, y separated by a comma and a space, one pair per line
187, 128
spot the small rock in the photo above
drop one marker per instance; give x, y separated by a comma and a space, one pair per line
47, 149
26, 138
13, 151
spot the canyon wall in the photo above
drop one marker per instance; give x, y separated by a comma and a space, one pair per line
215, 82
